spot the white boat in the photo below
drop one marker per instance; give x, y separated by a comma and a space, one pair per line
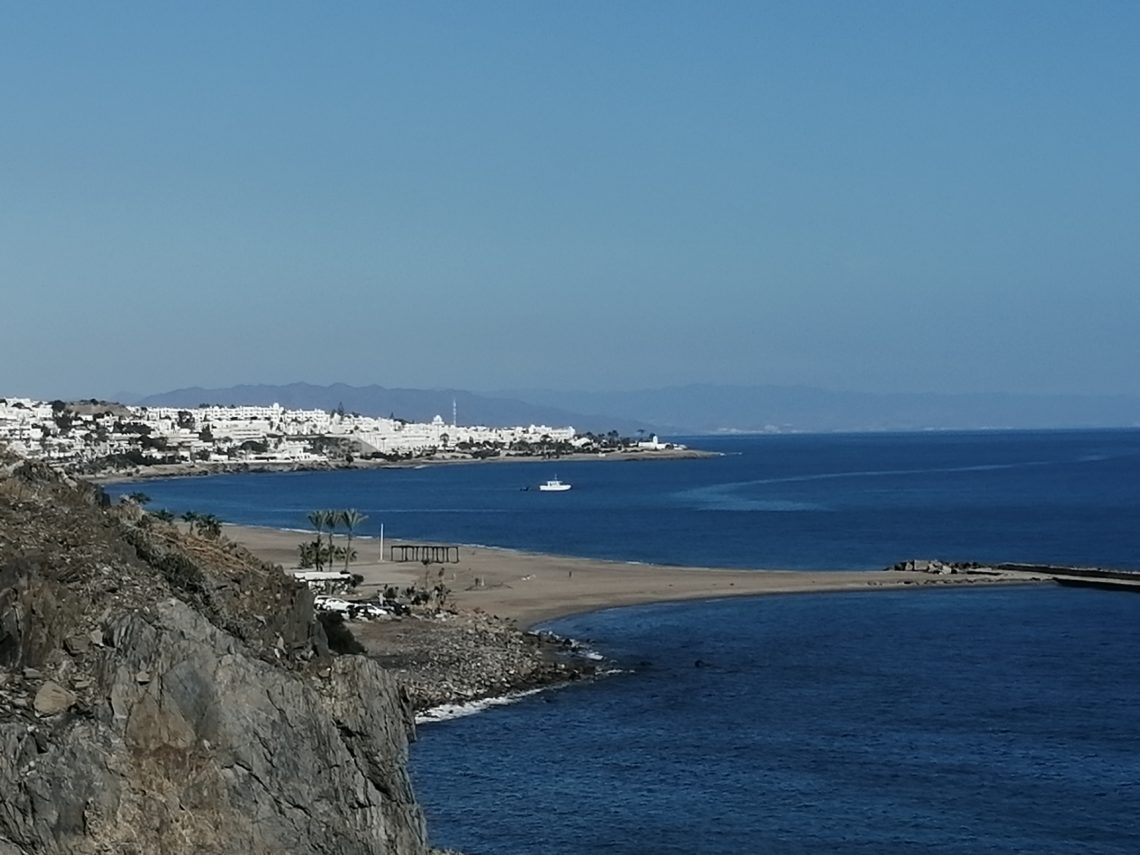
554, 486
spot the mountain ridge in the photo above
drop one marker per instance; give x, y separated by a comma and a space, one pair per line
693, 409
418, 405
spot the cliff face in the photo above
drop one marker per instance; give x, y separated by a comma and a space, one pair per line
166, 693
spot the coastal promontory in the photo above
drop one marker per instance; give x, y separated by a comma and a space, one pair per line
163, 693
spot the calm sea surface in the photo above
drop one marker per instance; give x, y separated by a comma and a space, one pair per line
1000, 721
949, 721
801, 502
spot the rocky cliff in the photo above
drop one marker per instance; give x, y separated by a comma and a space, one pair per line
167, 693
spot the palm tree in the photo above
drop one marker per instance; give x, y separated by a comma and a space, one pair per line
351, 519
332, 518
191, 519
317, 521
210, 526
163, 515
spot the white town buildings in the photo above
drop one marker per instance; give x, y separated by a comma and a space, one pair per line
89, 432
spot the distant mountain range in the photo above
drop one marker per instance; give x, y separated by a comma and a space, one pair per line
694, 409
417, 405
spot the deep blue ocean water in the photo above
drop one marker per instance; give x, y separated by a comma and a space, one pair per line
950, 721
799, 502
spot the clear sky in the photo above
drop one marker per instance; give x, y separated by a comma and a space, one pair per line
880, 196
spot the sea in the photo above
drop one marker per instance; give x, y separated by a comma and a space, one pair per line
948, 721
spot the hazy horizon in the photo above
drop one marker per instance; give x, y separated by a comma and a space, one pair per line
128, 396
686, 410
884, 198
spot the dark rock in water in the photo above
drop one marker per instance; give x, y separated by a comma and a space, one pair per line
193, 719
457, 657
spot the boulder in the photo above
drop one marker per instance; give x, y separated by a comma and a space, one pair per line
52, 699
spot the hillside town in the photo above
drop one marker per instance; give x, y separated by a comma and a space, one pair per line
99, 437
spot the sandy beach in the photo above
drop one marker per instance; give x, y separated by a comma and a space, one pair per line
530, 588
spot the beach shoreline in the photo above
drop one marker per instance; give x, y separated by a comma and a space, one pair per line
202, 469
484, 642
531, 588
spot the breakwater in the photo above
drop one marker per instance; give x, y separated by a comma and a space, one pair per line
1098, 577
1090, 577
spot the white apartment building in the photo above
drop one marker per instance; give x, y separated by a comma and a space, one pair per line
35, 429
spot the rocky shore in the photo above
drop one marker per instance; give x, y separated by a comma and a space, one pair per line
461, 656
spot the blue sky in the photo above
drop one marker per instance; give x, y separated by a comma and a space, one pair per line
871, 196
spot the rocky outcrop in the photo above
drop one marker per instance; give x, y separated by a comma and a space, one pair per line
164, 695
939, 568
454, 657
